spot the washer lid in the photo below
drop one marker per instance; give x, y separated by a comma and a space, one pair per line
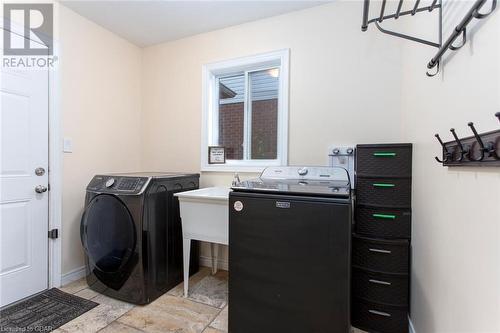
316, 181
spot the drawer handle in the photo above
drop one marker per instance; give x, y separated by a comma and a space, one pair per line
384, 154
384, 185
384, 216
380, 251
385, 283
380, 313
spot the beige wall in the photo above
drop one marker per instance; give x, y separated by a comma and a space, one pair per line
334, 96
100, 80
456, 211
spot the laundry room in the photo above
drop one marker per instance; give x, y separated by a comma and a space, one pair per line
250, 166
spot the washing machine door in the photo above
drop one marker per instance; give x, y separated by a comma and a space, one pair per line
109, 238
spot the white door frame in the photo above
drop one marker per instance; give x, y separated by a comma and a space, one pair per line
55, 174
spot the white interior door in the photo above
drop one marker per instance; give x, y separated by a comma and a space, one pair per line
23, 211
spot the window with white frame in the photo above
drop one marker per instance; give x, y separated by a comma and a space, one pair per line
245, 110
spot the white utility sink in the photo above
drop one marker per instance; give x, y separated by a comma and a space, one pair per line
205, 217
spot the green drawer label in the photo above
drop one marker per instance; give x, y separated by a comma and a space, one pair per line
384, 185
384, 216
384, 154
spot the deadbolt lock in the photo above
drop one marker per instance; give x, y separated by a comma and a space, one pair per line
39, 171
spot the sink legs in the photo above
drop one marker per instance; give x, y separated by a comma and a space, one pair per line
186, 250
214, 248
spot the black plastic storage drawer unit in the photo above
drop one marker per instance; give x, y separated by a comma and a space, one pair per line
390, 256
375, 317
381, 287
387, 192
393, 160
383, 222
381, 243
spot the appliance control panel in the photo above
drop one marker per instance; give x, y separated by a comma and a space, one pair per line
306, 173
117, 184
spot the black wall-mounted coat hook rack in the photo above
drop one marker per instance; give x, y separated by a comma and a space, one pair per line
476, 150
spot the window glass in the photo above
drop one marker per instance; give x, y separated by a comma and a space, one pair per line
231, 115
264, 87
248, 115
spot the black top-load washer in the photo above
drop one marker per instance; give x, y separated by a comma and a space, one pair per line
132, 235
289, 252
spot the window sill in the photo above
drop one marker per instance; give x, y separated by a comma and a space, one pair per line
236, 168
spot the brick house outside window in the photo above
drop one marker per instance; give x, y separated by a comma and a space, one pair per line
264, 119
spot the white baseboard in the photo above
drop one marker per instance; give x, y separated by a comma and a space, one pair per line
73, 275
411, 328
79, 272
207, 262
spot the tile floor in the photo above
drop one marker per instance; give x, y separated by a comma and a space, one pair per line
205, 311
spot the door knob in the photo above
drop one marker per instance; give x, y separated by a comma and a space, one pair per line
40, 189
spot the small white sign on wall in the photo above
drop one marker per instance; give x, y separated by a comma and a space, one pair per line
216, 155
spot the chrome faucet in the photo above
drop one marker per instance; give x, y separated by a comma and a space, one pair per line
236, 179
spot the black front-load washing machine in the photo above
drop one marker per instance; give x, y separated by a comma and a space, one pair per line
132, 235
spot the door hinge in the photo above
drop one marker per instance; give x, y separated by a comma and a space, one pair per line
54, 233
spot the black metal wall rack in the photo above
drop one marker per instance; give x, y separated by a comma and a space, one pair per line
476, 150
460, 29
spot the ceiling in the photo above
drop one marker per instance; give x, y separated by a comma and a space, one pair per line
146, 23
